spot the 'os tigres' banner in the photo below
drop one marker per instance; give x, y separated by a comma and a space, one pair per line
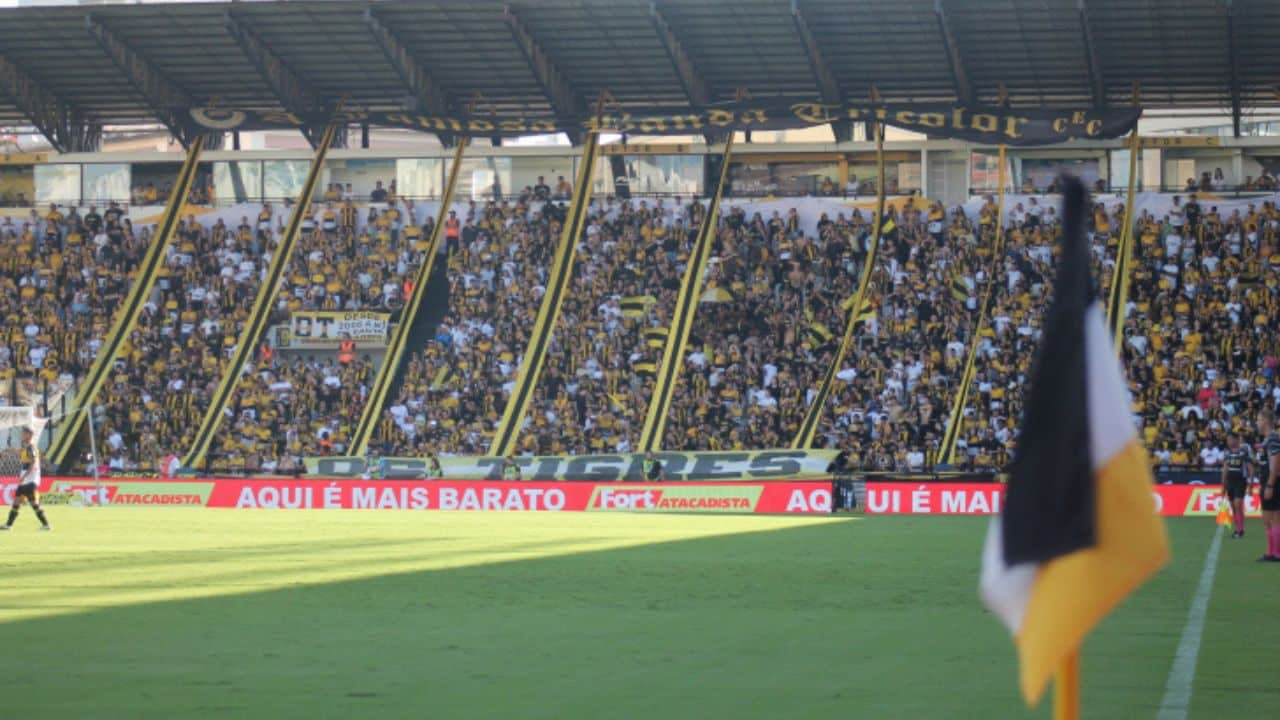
757, 465
330, 327
977, 123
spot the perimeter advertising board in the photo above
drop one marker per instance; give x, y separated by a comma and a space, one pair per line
890, 498
707, 497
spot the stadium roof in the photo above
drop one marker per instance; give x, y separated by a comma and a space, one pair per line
125, 64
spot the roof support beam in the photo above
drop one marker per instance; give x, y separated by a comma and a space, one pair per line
286, 85
65, 126
164, 98
964, 88
696, 87
828, 86
417, 80
1233, 50
432, 98
565, 100
1097, 89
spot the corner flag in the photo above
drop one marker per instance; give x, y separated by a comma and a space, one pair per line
1079, 530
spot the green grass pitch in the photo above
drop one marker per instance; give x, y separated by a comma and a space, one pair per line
133, 613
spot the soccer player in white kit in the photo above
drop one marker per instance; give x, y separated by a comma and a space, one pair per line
28, 481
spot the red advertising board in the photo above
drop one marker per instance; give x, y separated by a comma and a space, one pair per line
732, 497
987, 499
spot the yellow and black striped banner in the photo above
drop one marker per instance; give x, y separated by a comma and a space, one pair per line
857, 310
395, 350
955, 422
256, 324
664, 385
127, 316
508, 431
1119, 294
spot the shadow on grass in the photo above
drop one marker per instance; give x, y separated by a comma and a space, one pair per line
820, 620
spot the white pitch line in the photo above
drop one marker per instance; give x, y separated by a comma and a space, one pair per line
1177, 691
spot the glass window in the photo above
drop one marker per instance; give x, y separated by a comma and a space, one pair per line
106, 181
420, 177
17, 185
901, 170
985, 173
237, 181
1035, 175
363, 175
284, 178
58, 183
553, 169
649, 174
784, 178
484, 178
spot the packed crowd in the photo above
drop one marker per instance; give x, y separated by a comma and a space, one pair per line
775, 304
298, 403
61, 276
1200, 342
613, 325
161, 386
1200, 357
891, 398
770, 317
454, 390
64, 274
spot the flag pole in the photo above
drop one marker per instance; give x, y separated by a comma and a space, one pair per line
1066, 688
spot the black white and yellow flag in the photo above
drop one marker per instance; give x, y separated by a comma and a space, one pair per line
867, 313
655, 337
636, 305
1079, 531
819, 334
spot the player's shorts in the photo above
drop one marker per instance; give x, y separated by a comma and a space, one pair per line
30, 491
1236, 488
1274, 503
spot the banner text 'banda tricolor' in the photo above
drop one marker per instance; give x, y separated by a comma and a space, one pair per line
976, 123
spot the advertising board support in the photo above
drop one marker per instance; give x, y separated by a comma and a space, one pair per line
844, 491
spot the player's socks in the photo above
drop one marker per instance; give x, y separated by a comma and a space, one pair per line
40, 514
1273, 541
13, 515
1239, 519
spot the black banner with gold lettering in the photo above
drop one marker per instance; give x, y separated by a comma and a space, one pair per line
982, 124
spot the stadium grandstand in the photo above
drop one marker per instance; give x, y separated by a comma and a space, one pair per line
675, 358
483, 229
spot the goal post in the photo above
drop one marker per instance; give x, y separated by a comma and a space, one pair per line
16, 418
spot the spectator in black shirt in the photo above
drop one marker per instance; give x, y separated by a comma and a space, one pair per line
379, 193
113, 213
93, 220
1192, 211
